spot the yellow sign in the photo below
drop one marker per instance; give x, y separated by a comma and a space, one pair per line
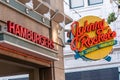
91, 38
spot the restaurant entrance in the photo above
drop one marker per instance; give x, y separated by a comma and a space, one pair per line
29, 71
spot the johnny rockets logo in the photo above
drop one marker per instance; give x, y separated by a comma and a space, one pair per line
91, 38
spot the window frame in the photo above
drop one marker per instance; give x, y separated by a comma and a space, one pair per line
94, 3
70, 2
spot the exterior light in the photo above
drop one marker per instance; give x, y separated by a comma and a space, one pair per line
7, 1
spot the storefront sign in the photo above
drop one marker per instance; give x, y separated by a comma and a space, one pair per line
91, 38
29, 35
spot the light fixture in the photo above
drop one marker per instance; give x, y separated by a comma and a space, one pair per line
29, 5
7, 1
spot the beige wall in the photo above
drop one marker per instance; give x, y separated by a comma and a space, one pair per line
18, 18
58, 65
55, 4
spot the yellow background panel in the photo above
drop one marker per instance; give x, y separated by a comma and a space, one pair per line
103, 52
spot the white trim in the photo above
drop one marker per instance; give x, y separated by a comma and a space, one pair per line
29, 50
28, 41
92, 67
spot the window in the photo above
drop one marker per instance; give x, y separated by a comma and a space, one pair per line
94, 2
76, 3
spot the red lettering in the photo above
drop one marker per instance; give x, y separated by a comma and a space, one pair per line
45, 42
113, 34
23, 32
101, 24
99, 31
51, 44
34, 37
81, 31
38, 40
73, 26
17, 30
82, 40
29, 35
11, 27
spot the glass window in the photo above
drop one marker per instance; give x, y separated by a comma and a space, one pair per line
76, 3
94, 2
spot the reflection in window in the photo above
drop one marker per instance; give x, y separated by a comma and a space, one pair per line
94, 2
76, 3
16, 77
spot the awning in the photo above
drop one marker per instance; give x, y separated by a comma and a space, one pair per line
43, 8
40, 7
17, 43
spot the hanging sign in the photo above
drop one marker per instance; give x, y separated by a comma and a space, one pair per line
91, 38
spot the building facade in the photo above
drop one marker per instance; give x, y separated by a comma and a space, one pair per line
31, 39
87, 70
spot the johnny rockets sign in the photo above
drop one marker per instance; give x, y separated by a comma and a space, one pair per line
29, 35
91, 38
